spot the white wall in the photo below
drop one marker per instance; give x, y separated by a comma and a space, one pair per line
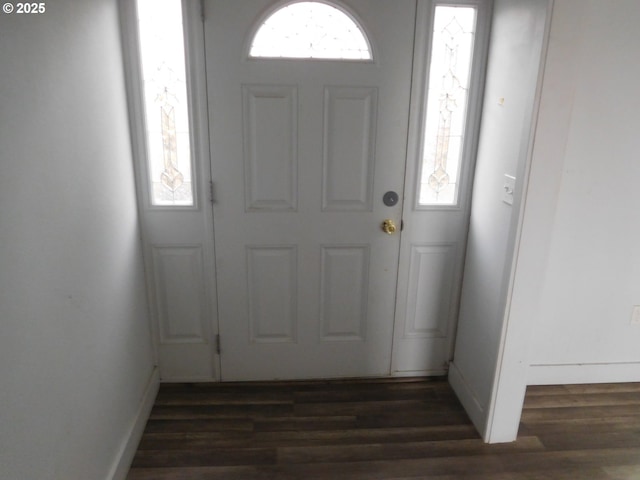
591, 278
75, 352
577, 269
516, 45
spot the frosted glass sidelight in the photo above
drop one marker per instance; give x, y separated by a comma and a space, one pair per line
165, 102
446, 104
310, 30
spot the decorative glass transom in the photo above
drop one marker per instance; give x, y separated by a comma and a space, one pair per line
310, 30
446, 106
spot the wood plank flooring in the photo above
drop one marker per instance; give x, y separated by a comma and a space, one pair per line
383, 429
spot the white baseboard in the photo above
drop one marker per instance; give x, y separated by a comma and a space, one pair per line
468, 398
122, 463
567, 374
179, 379
420, 373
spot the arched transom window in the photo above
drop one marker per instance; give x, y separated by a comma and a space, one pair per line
310, 30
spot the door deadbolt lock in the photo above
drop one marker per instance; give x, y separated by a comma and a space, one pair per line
390, 198
389, 227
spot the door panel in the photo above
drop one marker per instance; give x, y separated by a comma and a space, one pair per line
343, 295
430, 284
302, 154
349, 139
270, 129
272, 279
178, 282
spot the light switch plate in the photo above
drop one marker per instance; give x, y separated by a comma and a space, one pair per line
509, 186
635, 315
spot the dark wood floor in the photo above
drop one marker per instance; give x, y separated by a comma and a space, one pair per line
401, 429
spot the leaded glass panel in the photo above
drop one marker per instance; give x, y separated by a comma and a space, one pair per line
446, 104
165, 102
310, 30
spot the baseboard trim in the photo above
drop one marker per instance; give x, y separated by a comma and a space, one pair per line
180, 379
568, 374
440, 372
468, 398
123, 460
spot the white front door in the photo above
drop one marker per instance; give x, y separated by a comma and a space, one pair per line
303, 152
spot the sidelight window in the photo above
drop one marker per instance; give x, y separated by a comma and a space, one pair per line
164, 82
449, 73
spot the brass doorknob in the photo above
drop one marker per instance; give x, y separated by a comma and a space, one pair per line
388, 226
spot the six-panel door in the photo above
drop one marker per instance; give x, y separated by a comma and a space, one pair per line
303, 152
